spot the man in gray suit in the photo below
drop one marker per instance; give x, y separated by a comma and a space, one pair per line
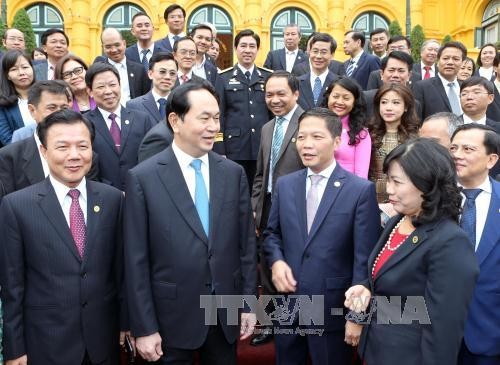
277, 157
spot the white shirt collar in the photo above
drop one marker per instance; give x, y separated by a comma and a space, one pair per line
62, 190
289, 115
358, 56
445, 82
122, 62
157, 96
484, 186
326, 173
468, 120
150, 48
106, 114
185, 159
189, 74
243, 69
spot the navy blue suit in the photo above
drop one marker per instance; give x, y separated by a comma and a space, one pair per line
10, 120
276, 60
328, 260
132, 52
57, 305
306, 98
114, 165
365, 65
210, 71
164, 44
147, 104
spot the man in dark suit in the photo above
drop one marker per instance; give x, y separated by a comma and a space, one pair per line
314, 83
55, 43
475, 149
133, 78
185, 52
426, 68
309, 208
441, 93
61, 257
13, 38
291, 55
119, 130
21, 163
142, 29
163, 75
203, 67
206, 200
243, 106
277, 157
175, 17
360, 64
379, 38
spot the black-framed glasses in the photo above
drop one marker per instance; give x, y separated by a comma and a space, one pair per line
76, 71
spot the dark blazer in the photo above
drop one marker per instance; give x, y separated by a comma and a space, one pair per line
20, 166
41, 70
432, 97
165, 276
417, 69
433, 256
288, 161
156, 140
366, 64
375, 79
10, 120
322, 265
164, 45
276, 60
138, 80
132, 52
210, 71
193, 78
493, 110
302, 68
483, 321
56, 305
112, 164
147, 104
306, 98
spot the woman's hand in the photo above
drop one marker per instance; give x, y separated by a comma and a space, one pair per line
357, 298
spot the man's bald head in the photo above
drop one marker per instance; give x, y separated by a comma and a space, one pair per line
113, 44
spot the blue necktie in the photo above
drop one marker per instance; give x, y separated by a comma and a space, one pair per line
277, 142
145, 61
453, 99
176, 38
163, 108
248, 75
316, 90
350, 68
468, 221
200, 195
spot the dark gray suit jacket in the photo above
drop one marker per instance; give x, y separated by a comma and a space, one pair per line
276, 60
417, 68
288, 161
375, 79
147, 104
432, 97
302, 68
306, 98
156, 140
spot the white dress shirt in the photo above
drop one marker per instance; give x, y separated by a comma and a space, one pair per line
188, 171
189, 76
482, 207
243, 69
158, 97
431, 70
456, 89
322, 77
50, 71
171, 38
468, 120
124, 86
149, 54
45, 165
290, 57
25, 112
65, 200
326, 173
105, 114
199, 69
487, 73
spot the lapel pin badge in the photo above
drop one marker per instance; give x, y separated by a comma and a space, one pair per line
127, 121
131, 74
336, 184
415, 240
293, 140
97, 208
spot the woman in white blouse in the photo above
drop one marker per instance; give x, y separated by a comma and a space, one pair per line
485, 61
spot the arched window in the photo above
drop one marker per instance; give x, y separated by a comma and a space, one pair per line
289, 16
369, 21
490, 25
44, 16
120, 16
224, 25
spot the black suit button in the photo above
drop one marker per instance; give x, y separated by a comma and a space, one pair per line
84, 275
84, 304
307, 255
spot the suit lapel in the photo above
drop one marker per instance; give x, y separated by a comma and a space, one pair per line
53, 211
440, 88
32, 163
150, 105
282, 57
291, 130
131, 79
359, 64
328, 80
172, 178
306, 91
299, 58
126, 125
102, 128
491, 231
94, 201
267, 143
378, 246
300, 202
217, 188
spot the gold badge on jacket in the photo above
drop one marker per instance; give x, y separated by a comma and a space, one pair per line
97, 208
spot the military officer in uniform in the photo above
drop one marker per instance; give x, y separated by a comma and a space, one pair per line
242, 104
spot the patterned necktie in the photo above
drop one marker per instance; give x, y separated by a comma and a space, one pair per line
468, 221
163, 108
312, 200
453, 98
248, 75
114, 130
184, 79
316, 90
145, 61
350, 68
176, 38
200, 195
427, 74
77, 221
277, 142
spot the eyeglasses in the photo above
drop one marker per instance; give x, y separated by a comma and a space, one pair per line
397, 48
474, 94
322, 52
185, 52
68, 74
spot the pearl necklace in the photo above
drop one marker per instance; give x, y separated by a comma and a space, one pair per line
387, 245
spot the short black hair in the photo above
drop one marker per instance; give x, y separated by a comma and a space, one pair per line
491, 139
430, 167
246, 33
64, 116
182, 39
478, 80
332, 121
49, 32
292, 80
178, 101
200, 26
56, 87
479, 62
357, 36
141, 13
398, 38
38, 49
471, 61
161, 56
453, 44
324, 37
398, 55
98, 68
171, 8
378, 31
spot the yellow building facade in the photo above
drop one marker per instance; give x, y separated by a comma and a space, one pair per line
83, 20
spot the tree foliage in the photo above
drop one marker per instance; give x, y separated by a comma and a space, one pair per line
447, 38
417, 38
395, 28
129, 37
23, 23
3, 26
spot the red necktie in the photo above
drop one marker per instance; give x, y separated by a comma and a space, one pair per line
77, 222
427, 74
114, 130
184, 79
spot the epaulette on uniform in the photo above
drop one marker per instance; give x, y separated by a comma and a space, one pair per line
266, 69
226, 70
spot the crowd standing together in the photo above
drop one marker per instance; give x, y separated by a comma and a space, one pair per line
137, 190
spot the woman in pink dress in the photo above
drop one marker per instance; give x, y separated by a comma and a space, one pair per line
344, 97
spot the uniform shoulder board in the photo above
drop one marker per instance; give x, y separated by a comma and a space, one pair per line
266, 69
226, 70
